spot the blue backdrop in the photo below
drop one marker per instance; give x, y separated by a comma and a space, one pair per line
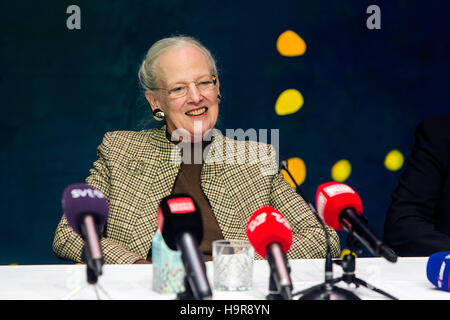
61, 90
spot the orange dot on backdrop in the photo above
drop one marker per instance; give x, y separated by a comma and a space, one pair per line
290, 44
297, 168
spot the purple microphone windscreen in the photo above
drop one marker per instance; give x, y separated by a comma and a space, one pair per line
438, 270
81, 199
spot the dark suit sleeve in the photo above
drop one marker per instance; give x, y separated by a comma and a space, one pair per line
412, 226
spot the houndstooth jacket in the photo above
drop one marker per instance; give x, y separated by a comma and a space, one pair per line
136, 169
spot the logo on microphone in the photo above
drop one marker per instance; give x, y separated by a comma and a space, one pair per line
83, 193
181, 205
281, 219
261, 218
337, 188
441, 271
321, 202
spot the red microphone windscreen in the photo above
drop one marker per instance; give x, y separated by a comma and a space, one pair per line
267, 225
332, 198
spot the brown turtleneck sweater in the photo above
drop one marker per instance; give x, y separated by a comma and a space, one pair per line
188, 182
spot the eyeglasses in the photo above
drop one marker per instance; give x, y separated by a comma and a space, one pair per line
181, 90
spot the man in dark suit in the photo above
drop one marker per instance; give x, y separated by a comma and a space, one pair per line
418, 219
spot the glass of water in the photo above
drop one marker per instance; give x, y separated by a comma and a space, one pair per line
233, 265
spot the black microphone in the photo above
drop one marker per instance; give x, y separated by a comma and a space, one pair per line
351, 221
86, 210
283, 165
181, 227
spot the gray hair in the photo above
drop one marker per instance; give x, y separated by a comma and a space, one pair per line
147, 74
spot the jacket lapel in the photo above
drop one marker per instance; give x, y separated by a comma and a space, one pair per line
216, 189
162, 163
163, 168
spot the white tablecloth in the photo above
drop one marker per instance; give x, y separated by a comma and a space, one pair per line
405, 279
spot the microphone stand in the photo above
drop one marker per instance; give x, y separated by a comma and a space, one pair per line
95, 287
326, 290
92, 280
274, 293
93, 271
348, 262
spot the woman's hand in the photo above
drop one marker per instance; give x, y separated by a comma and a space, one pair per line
142, 261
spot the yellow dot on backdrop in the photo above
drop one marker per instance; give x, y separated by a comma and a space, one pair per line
289, 101
290, 44
341, 170
297, 168
394, 160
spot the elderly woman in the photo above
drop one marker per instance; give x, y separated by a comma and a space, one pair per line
135, 170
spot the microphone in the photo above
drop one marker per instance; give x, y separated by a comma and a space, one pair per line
283, 165
340, 207
326, 290
181, 227
270, 234
86, 210
438, 270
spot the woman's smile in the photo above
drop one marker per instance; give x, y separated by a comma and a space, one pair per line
197, 112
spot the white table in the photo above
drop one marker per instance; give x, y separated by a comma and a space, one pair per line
405, 279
